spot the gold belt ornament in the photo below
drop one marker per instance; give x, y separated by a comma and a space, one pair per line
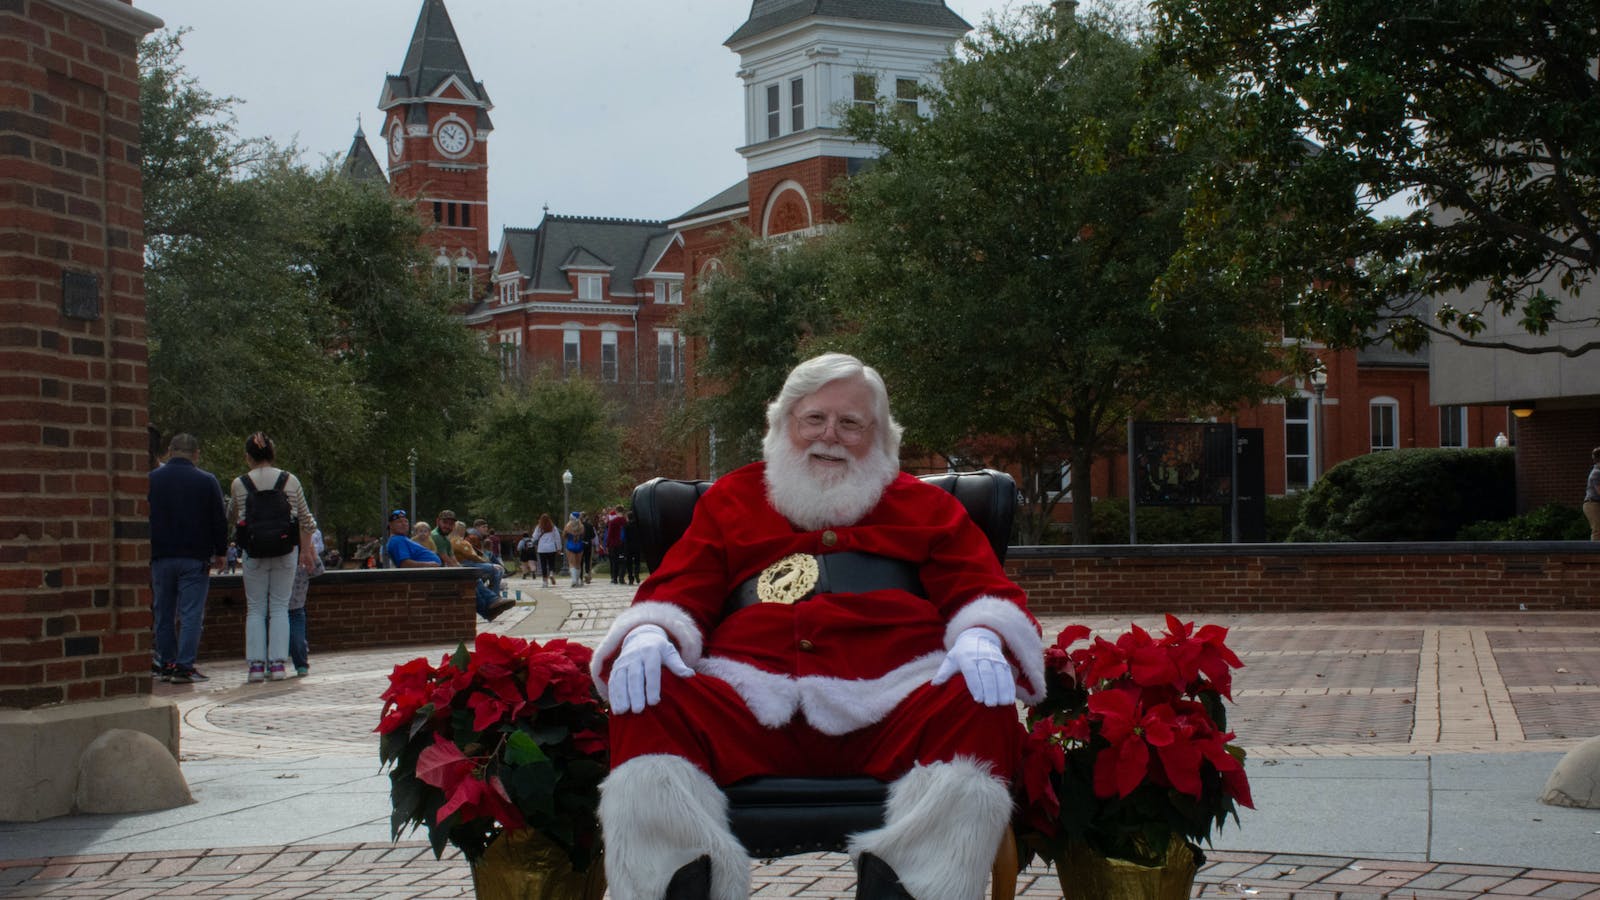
789, 579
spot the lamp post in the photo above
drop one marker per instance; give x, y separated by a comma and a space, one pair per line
1319, 384
411, 458
566, 497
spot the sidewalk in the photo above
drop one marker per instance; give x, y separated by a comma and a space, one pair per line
1391, 754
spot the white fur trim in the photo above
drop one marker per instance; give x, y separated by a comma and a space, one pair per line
678, 625
771, 698
658, 813
1020, 634
833, 706
942, 826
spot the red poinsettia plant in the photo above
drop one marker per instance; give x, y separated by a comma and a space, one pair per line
508, 735
1130, 747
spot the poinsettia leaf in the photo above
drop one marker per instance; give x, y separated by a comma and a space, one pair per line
522, 749
461, 659
443, 765
532, 788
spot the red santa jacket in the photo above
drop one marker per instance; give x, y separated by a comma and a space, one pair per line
844, 660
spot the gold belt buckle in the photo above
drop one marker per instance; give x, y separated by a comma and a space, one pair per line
788, 580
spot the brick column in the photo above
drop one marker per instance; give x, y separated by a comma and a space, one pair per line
74, 585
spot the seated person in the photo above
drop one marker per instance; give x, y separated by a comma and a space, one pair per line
403, 552
913, 682
490, 603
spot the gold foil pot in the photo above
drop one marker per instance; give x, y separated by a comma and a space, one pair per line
524, 865
1086, 875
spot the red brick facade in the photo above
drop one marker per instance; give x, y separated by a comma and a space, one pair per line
1553, 448
451, 193
1211, 579
354, 610
816, 177
74, 584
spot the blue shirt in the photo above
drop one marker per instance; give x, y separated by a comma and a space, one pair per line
402, 548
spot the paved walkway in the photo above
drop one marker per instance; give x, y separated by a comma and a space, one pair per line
1391, 754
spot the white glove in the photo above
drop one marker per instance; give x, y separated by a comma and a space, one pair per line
636, 675
978, 657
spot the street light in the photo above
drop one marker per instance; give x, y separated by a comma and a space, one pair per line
412, 459
1319, 384
566, 497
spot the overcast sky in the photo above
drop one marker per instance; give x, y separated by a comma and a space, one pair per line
601, 107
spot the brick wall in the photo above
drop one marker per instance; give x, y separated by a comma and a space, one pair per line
1199, 579
74, 619
1553, 448
353, 610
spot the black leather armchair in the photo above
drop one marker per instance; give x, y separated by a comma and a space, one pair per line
779, 816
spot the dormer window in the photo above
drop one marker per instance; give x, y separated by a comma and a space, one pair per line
589, 287
510, 292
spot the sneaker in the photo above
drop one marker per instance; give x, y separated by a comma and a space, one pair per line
186, 675
164, 673
275, 672
302, 671
258, 672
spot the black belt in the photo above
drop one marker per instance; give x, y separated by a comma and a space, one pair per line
846, 572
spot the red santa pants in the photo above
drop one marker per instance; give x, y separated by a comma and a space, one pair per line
704, 721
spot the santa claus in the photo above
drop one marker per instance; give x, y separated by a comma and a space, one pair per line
824, 614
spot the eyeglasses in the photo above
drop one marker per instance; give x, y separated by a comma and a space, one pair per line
848, 429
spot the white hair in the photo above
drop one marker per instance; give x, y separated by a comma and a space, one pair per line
809, 377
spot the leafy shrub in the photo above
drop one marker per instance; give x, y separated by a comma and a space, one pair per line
1183, 525
1551, 522
1408, 495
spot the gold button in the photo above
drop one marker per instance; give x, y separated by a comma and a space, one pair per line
805, 645
829, 539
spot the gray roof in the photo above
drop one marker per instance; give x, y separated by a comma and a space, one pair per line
359, 162
628, 246
767, 15
434, 56
729, 198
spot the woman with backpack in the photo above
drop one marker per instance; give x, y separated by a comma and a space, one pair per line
274, 527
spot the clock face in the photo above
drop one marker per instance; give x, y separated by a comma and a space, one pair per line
452, 137
397, 141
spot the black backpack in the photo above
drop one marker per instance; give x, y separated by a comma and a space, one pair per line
269, 527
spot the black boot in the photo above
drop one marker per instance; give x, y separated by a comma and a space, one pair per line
876, 880
691, 882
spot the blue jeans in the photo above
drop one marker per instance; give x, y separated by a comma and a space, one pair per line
178, 601
268, 582
299, 650
486, 599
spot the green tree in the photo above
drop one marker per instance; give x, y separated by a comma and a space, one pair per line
290, 300
1004, 255
763, 311
1486, 109
531, 432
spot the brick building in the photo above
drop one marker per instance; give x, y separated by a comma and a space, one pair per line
598, 297
74, 571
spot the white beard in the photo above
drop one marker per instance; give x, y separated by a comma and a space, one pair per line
813, 499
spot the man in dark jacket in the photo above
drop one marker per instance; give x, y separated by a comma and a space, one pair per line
188, 537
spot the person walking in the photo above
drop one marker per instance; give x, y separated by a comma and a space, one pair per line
547, 542
615, 547
573, 536
273, 519
1591, 496
188, 538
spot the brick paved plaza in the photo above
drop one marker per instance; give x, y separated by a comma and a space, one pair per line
1317, 687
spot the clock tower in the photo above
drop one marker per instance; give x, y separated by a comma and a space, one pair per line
435, 134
